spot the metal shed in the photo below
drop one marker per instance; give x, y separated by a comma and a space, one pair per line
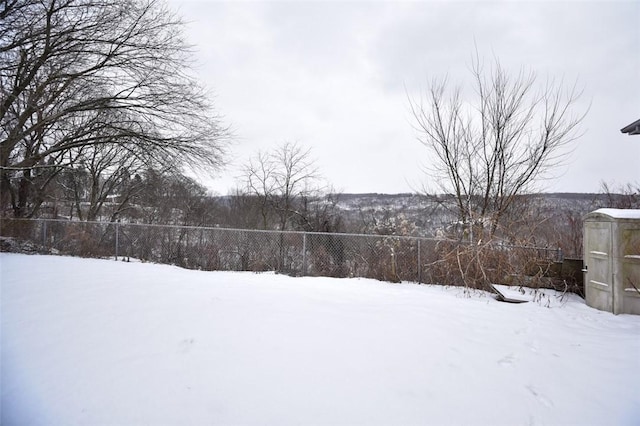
612, 260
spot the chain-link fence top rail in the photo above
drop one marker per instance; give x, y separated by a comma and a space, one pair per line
383, 257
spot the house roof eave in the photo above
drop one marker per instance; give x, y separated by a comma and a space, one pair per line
632, 129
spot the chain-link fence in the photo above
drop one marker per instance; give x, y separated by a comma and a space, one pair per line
388, 258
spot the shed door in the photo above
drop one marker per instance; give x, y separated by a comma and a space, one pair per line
599, 276
627, 293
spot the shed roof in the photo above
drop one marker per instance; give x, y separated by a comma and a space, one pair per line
632, 129
617, 213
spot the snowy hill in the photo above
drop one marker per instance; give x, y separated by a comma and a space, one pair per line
103, 342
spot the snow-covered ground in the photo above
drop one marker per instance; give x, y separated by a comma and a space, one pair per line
103, 342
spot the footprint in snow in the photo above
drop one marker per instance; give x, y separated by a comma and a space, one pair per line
185, 345
541, 398
507, 360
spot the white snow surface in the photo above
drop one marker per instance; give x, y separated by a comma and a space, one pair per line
618, 213
103, 342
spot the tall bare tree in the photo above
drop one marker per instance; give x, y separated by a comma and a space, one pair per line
490, 150
77, 73
281, 180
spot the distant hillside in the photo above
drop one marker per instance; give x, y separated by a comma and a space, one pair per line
403, 202
418, 214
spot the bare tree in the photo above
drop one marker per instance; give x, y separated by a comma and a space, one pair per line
76, 73
281, 180
260, 183
489, 152
624, 197
320, 213
171, 197
108, 172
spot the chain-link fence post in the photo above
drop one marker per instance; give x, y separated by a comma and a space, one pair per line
44, 234
117, 235
304, 254
419, 264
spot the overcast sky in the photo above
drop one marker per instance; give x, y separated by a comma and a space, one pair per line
335, 76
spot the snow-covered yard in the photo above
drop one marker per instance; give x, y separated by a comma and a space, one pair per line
104, 342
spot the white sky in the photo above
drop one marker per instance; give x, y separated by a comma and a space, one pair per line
332, 76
